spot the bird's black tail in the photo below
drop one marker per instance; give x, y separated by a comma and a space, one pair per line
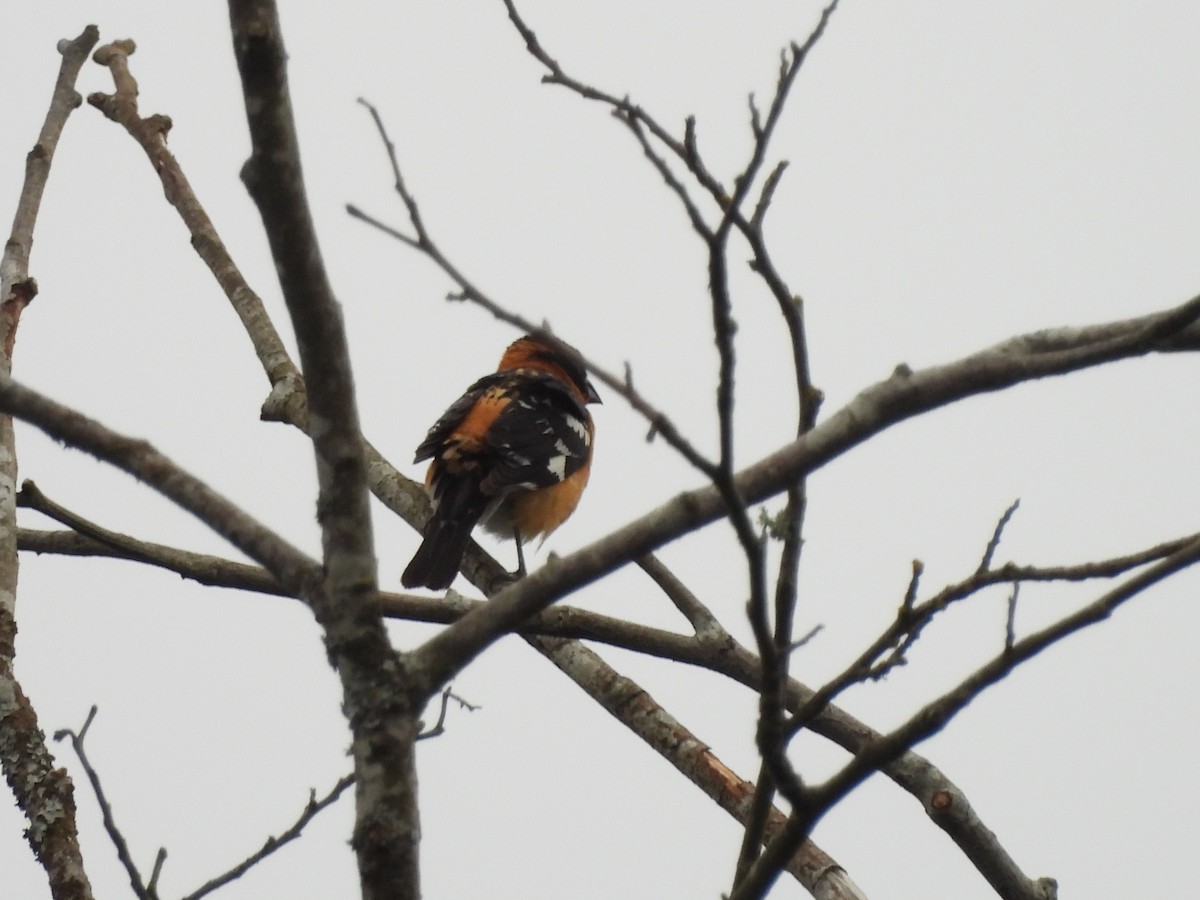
446, 534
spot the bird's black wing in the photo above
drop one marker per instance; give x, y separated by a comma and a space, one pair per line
453, 416
539, 439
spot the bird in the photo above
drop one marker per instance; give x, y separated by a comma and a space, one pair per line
513, 453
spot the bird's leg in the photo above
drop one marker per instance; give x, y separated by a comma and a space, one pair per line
520, 573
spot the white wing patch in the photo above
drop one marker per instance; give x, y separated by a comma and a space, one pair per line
543, 436
557, 464
578, 427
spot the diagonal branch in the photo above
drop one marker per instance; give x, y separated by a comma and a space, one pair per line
15, 285
874, 410
705, 649
406, 499
699, 616
652, 723
288, 565
43, 792
424, 242
560, 621
310, 811
718, 652
77, 738
644, 126
151, 135
1073, 338
629, 112
935, 715
623, 698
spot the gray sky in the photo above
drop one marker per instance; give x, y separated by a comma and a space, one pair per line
959, 173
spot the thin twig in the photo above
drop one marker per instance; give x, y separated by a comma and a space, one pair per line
900, 397
762, 803
992, 545
468, 291
110, 824
31, 497
910, 593
888, 650
701, 618
439, 727
911, 771
272, 844
151, 132
642, 124
159, 859
1010, 619
16, 287
686, 150
935, 715
805, 639
773, 691
138, 458
677, 187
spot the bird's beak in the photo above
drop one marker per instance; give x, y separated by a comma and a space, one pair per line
590, 393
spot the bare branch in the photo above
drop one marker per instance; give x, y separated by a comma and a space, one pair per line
468, 291
803, 641
439, 727
788, 70
31, 497
993, 544
380, 705
905, 394
274, 179
159, 859
634, 124
110, 824
935, 715
762, 804
43, 792
910, 594
686, 151
889, 649
638, 711
767, 194
773, 691
151, 135
562, 621
701, 618
272, 844
1010, 621
16, 287
202, 568
949, 808
291, 567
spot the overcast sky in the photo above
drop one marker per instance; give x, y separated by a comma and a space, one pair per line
960, 173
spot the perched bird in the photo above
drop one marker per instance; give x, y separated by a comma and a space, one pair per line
513, 452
